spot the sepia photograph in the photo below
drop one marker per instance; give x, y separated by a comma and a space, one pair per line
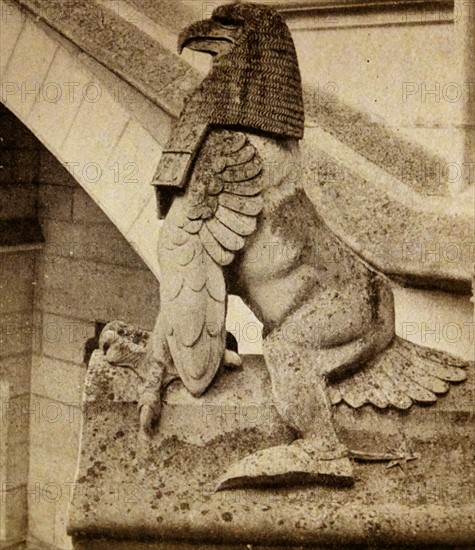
237, 274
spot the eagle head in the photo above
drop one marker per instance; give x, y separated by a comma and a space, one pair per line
255, 81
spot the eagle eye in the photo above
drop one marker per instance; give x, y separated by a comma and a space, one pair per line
227, 22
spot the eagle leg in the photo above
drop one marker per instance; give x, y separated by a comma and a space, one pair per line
127, 346
300, 397
160, 372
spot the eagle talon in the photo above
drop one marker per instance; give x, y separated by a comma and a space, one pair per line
393, 459
287, 464
149, 415
232, 359
147, 420
150, 401
402, 461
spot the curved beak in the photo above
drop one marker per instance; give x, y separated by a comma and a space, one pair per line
207, 36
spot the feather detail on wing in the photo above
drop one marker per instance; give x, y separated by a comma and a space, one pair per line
400, 376
204, 229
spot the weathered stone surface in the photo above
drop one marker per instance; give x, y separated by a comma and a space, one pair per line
165, 487
17, 201
378, 143
94, 282
102, 34
406, 241
172, 14
30, 545
97, 544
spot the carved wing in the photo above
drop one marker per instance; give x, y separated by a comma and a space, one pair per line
205, 228
400, 376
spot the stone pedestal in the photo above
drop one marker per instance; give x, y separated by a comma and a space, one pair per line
150, 493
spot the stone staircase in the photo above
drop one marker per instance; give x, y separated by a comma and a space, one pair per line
381, 194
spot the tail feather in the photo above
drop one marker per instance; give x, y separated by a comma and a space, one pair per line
400, 376
450, 372
355, 394
434, 356
397, 398
376, 393
395, 370
424, 379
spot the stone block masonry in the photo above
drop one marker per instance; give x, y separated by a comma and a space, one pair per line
50, 303
86, 273
19, 168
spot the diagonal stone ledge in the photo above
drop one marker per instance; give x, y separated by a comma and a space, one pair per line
116, 43
154, 78
415, 240
405, 209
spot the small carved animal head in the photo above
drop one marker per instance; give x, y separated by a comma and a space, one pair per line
255, 81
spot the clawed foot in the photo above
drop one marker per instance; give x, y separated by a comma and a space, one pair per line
149, 408
150, 404
393, 459
302, 462
148, 420
290, 464
232, 359
124, 345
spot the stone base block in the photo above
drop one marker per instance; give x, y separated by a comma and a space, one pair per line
145, 492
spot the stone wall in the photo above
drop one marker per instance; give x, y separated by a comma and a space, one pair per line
19, 166
87, 275
415, 91
52, 304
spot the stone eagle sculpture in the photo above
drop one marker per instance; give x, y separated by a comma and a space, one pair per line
328, 317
